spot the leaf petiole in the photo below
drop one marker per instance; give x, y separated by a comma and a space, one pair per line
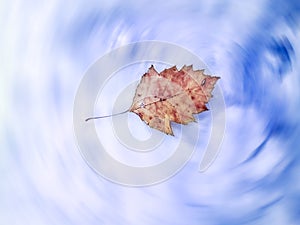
101, 117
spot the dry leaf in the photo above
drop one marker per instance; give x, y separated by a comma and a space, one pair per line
172, 96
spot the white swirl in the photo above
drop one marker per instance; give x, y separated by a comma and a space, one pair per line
139, 172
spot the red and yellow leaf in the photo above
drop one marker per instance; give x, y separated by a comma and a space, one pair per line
172, 96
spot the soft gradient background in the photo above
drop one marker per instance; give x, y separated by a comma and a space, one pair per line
45, 48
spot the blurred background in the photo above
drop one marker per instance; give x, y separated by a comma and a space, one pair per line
47, 46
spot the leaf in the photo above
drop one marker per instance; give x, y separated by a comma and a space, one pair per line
172, 96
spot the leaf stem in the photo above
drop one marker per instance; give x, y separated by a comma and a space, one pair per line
101, 117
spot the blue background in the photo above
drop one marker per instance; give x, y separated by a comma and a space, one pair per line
46, 47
